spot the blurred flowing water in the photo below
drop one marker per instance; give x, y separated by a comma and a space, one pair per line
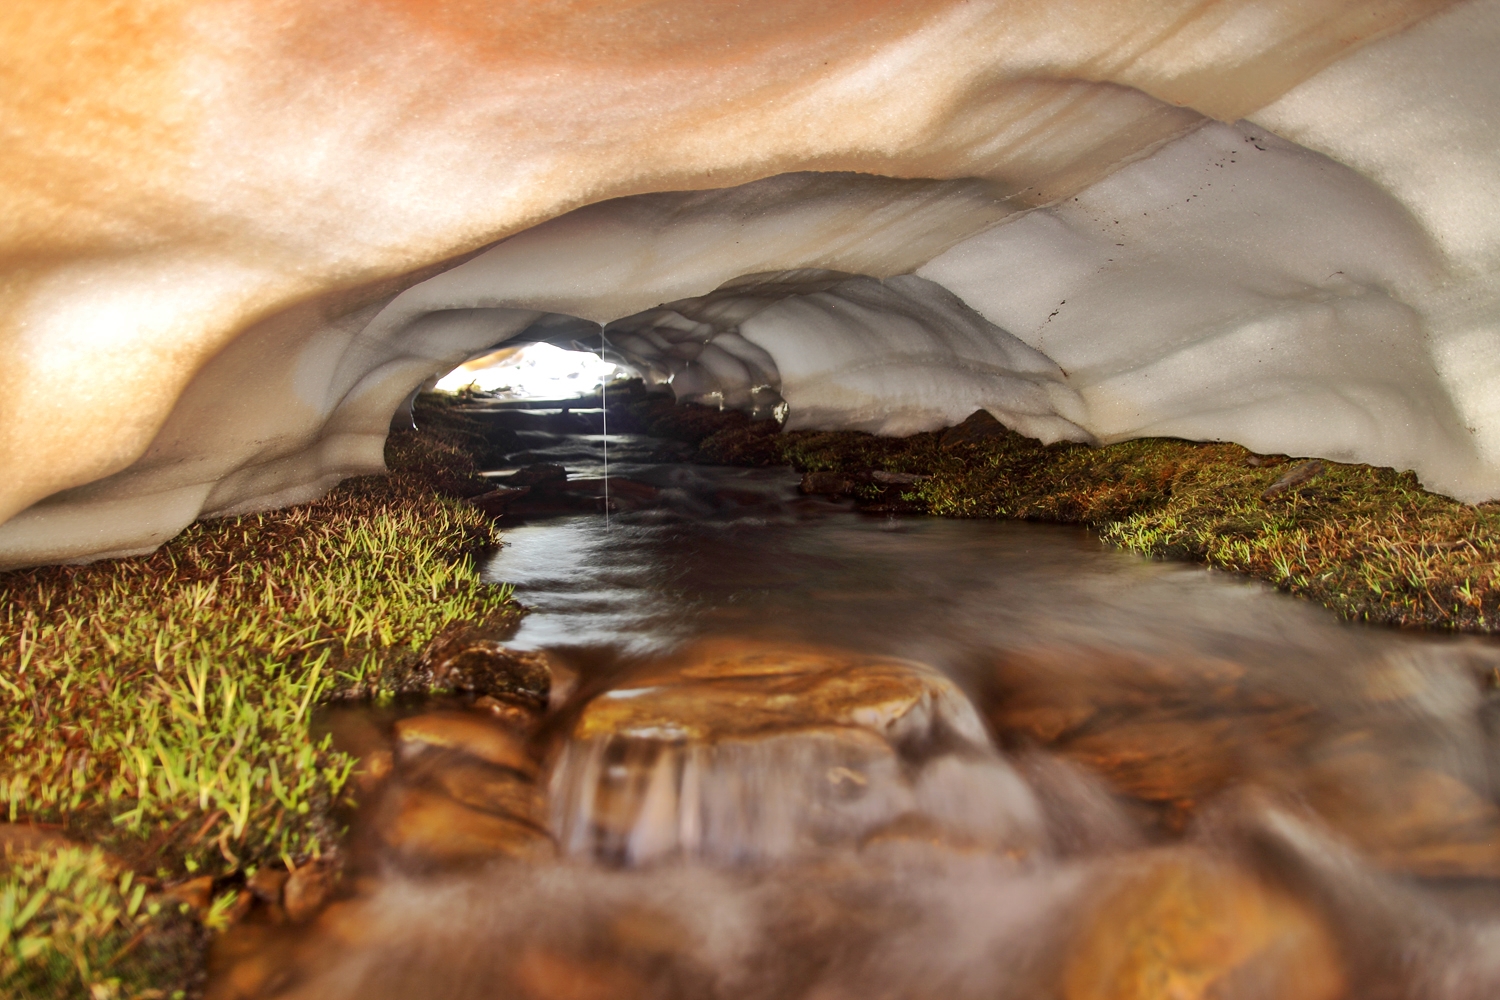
1091, 718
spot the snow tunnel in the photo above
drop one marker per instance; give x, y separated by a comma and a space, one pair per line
1273, 225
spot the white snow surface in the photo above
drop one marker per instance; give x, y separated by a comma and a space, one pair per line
1320, 279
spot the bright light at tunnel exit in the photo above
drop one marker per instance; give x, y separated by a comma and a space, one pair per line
534, 371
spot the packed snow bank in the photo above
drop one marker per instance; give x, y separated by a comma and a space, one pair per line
239, 250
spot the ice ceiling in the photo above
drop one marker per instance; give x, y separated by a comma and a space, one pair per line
238, 233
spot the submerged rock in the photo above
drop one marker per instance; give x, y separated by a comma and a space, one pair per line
306, 890
491, 789
1406, 817
467, 733
1171, 729
740, 751
427, 829
1191, 927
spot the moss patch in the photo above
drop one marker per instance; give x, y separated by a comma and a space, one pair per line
1367, 542
157, 707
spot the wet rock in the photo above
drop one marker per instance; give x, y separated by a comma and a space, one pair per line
541, 477
372, 770
465, 732
249, 962
508, 713
491, 789
348, 923
197, 893
1191, 927
1171, 729
306, 890
432, 830
1161, 761
544, 974
496, 502
739, 750
730, 689
465, 658
1407, 818
618, 494
1297, 475
635, 929
672, 451
266, 884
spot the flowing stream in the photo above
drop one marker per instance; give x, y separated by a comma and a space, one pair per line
800, 751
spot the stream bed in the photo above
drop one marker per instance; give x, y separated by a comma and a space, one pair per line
791, 750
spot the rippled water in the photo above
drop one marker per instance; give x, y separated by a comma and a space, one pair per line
1137, 759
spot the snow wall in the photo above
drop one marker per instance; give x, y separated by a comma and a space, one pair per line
238, 241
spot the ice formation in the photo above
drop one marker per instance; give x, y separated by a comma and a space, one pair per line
238, 233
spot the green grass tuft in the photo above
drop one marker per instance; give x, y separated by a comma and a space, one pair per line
158, 706
1367, 542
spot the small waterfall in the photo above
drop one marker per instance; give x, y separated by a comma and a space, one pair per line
638, 796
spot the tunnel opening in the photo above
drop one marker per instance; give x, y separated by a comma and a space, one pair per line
534, 371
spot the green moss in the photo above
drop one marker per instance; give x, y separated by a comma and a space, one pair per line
158, 706
1367, 542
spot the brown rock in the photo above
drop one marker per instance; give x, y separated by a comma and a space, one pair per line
785, 749
543, 974
491, 789
1189, 927
347, 923
1079, 680
496, 501
733, 689
1264, 461
648, 932
1168, 728
433, 830
249, 962
1046, 723
354, 731
521, 718
465, 658
1161, 761
1407, 818
374, 767
266, 884
465, 732
306, 890
197, 893
915, 829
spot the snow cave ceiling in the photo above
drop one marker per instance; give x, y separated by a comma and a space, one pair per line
239, 233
